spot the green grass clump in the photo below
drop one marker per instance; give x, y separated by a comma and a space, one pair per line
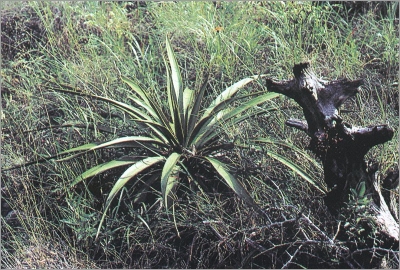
46, 223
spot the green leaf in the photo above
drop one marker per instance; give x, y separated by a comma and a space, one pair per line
224, 115
131, 139
291, 147
177, 117
196, 108
361, 189
79, 148
135, 113
295, 168
188, 96
169, 176
101, 168
137, 90
228, 93
232, 182
148, 108
154, 108
125, 177
175, 74
132, 111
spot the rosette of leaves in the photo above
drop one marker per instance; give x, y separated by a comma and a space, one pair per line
187, 130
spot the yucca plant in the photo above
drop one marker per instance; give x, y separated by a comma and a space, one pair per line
187, 133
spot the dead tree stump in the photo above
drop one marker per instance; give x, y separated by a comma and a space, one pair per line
340, 146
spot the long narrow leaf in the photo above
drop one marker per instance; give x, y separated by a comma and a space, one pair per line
142, 104
225, 115
175, 108
136, 114
232, 182
291, 147
152, 107
228, 93
99, 169
132, 111
295, 168
169, 176
84, 147
125, 177
176, 75
217, 132
196, 108
122, 140
188, 96
137, 89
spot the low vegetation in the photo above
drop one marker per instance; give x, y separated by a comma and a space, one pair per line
93, 92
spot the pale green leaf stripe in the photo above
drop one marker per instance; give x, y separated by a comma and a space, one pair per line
125, 177
232, 181
176, 96
216, 132
167, 176
80, 148
175, 74
120, 105
137, 89
174, 109
297, 170
188, 96
228, 93
128, 139
163, 132
145, 106
93, 146
224, 115
100, 168
249, 104
194, 114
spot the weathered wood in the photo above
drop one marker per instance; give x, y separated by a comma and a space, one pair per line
340, 146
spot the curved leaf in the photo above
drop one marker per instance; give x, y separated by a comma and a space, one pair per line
232, 182
148, 108
194, 114
136, 88
224, 115
123, 140
132, 111
295, 168
84, 147
175, 74
228, 93
188, 96
291, 147
99, 169
169, 176
131, 172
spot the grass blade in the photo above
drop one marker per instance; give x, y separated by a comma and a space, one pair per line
295, 168
291, 147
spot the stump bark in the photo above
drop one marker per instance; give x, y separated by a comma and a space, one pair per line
340, 146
